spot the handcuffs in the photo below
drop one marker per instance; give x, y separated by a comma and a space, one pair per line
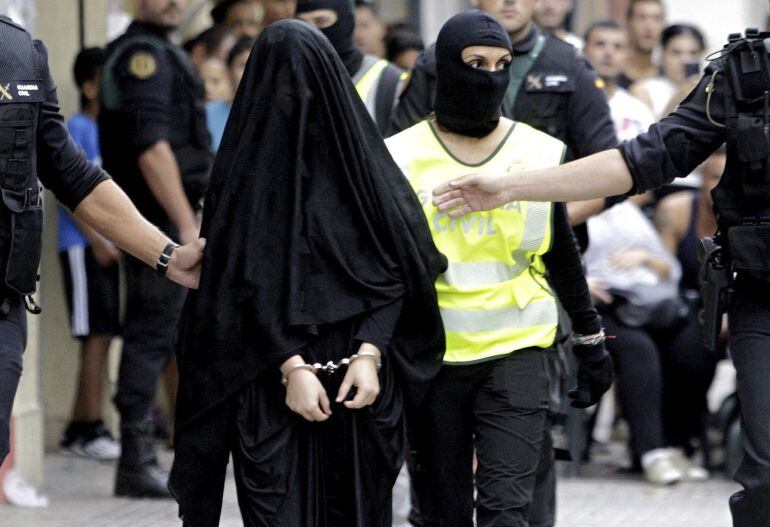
330, 367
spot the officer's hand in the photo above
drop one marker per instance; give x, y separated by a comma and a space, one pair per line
362, 374
305, 395
594, 375
472, 193
185, 265
105, 253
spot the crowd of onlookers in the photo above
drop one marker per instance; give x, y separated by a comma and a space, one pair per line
641, 263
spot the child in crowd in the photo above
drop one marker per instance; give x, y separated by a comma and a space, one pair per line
216, 80
91, 279
218, 110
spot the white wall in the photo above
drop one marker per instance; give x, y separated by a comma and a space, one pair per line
719, 18
433, 14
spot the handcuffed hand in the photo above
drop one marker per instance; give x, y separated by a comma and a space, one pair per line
361, 374
306, 396
184, 268
472, 193
594, 375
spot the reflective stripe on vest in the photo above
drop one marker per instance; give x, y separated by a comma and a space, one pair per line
493, 297
367, 82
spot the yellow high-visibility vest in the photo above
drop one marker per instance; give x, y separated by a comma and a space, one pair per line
367, 82
494, 298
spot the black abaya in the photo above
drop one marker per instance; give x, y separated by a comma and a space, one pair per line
314, 239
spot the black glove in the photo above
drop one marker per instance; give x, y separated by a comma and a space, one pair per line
594, 375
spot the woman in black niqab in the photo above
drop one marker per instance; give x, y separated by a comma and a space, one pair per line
317, 249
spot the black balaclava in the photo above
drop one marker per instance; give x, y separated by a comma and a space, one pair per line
341, 32
468, 100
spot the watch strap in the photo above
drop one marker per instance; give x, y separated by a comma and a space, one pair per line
161, 266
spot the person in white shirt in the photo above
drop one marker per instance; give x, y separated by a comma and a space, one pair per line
683, 47
607, 49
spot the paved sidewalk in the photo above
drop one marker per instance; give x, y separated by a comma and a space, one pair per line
80, 494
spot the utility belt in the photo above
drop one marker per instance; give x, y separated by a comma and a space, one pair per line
743, 252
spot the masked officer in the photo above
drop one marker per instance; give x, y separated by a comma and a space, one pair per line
156, 146
554, 90
36, 148
377, 81
730, 104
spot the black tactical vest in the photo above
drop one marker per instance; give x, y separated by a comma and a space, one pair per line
188, 134
21, 214
543, 99
742, 198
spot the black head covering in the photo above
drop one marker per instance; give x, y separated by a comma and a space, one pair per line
309, 222
468, 100
340, 34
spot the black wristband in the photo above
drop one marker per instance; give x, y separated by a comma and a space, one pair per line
161, 266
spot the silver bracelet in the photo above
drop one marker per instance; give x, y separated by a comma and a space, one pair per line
588, 340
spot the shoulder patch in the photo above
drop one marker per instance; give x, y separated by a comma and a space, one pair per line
142, 65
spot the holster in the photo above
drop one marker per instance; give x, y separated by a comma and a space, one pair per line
716, 278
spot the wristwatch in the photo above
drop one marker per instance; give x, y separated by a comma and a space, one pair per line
161, 266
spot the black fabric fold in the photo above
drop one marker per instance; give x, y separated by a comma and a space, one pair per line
309, 222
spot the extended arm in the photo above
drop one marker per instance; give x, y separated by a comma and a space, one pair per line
600, 175
109, 211
96, 200
671, 148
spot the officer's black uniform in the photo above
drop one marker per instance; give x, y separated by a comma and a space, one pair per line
731, 104
559, 95
34, 143
150, 93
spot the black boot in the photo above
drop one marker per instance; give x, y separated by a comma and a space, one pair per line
139, 473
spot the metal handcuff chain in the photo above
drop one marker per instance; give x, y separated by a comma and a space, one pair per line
330, 367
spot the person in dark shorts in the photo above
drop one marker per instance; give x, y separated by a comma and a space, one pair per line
91, 279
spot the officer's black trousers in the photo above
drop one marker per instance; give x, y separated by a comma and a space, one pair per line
749, 316
500, 409
153, 306
13, 339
